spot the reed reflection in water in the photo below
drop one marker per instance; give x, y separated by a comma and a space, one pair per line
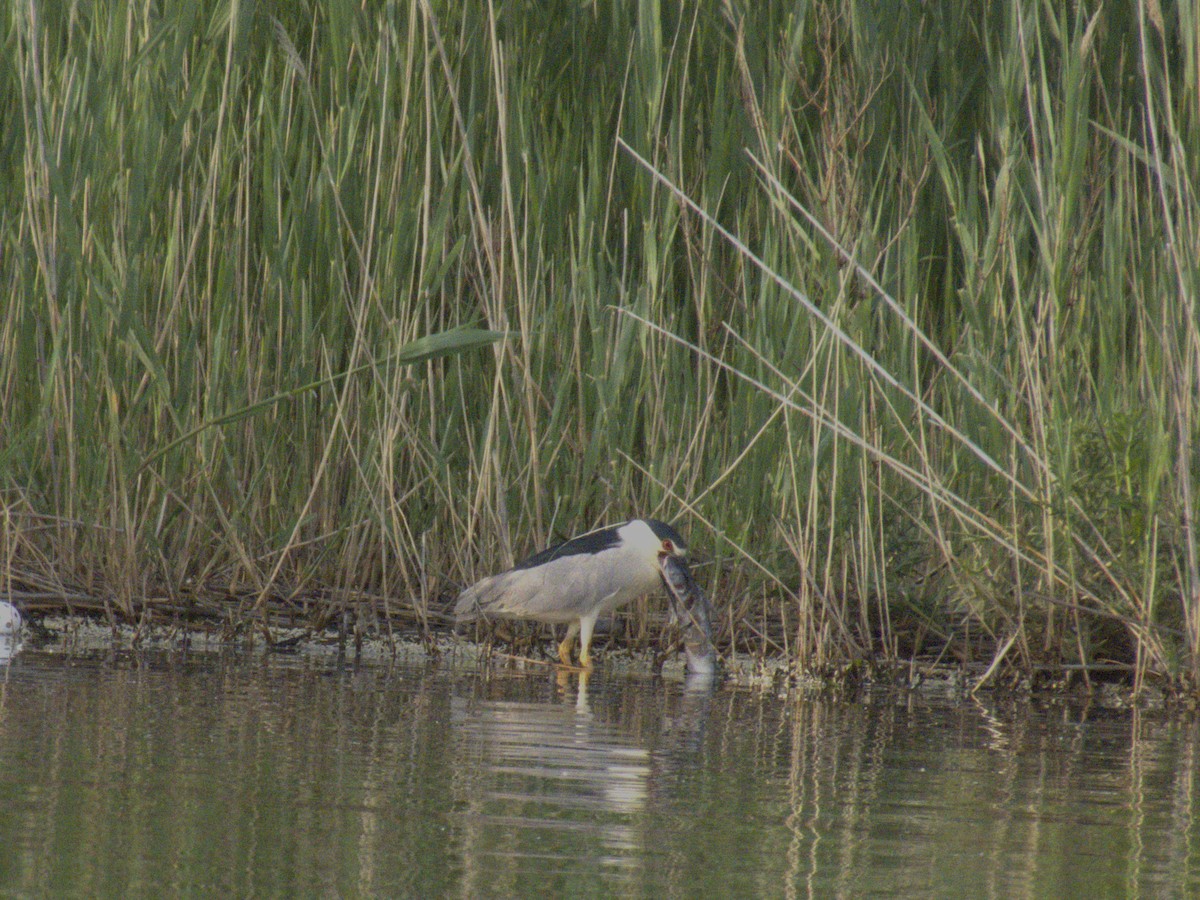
235, 775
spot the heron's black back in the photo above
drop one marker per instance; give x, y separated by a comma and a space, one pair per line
585, 545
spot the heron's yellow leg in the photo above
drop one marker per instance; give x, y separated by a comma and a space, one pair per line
568, 644
565, 648
585, 641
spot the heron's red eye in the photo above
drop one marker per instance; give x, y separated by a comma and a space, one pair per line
668, 547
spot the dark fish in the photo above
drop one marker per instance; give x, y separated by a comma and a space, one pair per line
691, 610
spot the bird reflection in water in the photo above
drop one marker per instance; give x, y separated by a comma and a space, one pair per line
552, 776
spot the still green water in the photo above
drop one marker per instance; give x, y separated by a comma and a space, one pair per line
252, 776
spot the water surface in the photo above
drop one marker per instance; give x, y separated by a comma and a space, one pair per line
250, 775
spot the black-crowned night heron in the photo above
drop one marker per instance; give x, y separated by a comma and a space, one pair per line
576, 582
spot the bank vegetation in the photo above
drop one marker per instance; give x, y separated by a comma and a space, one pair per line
316, 312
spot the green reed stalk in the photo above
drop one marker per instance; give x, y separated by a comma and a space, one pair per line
319, 317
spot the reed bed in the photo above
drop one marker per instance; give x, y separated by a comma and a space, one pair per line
317, 312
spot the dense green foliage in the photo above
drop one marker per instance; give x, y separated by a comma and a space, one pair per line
891, 306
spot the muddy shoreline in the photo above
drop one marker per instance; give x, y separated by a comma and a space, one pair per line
89, 636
